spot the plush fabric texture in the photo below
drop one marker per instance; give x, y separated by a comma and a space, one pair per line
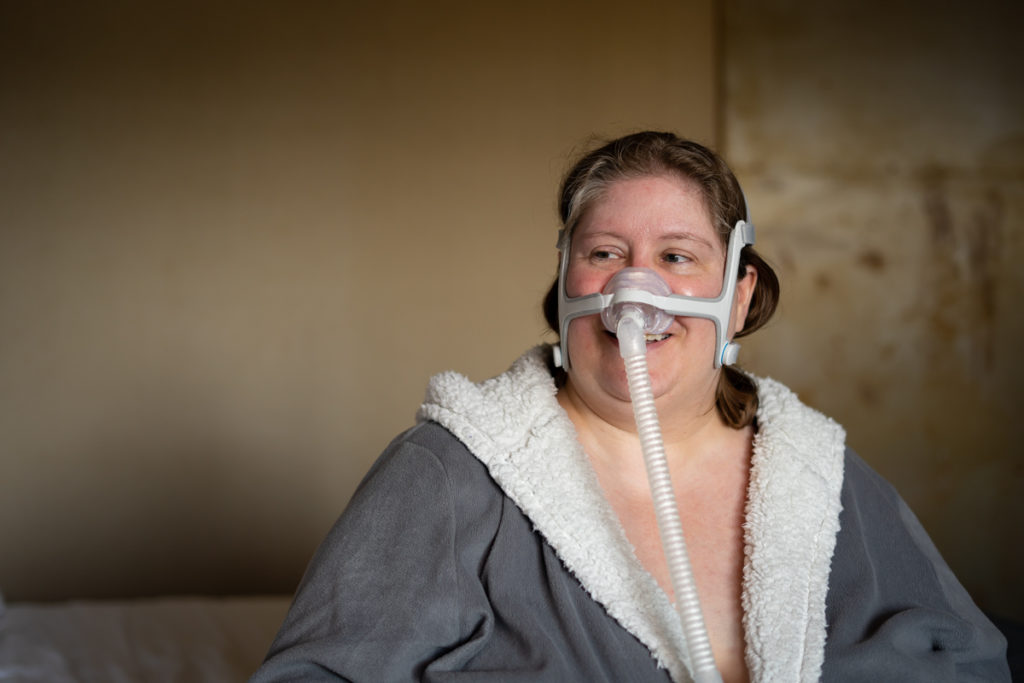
514, 425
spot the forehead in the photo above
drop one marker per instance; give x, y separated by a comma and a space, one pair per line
650, 204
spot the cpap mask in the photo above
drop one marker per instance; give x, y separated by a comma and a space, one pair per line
718, 309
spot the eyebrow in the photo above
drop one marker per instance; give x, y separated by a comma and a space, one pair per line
684, 235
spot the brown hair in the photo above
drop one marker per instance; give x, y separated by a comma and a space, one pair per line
652, 153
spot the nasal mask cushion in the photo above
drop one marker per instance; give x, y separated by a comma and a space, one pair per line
718, 309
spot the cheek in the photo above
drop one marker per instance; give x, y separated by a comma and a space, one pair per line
582, 330
704, 286
587, 339
579, 283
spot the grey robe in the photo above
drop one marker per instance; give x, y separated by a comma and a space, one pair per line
479, 547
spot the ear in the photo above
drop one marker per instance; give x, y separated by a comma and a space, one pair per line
741, 305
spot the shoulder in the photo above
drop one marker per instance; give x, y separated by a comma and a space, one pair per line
865, 488
880, 534
392, 583
498, 414
428, 448
426, 472
894, 604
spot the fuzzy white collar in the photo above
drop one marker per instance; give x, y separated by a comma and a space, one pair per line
514, 425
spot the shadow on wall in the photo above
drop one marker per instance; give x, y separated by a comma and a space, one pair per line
164, 498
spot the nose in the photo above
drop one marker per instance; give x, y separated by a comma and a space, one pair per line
655, 320
638, 259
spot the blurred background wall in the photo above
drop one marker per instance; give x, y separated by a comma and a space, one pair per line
881, 145
237, 238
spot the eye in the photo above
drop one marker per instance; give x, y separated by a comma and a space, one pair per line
676, 259
603, 255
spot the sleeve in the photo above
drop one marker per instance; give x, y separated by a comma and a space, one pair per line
385, 594
895, 610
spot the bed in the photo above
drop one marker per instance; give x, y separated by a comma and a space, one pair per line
154, 640
171, 640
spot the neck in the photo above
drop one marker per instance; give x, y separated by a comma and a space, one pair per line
607, 430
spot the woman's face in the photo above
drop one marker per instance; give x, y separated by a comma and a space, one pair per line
657, 222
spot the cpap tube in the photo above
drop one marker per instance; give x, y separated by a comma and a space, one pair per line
632, 321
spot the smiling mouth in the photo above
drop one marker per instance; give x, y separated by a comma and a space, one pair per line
649, 338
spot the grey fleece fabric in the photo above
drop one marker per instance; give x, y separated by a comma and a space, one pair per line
433, 574
895, 610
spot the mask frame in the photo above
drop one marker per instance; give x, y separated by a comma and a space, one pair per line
717, 309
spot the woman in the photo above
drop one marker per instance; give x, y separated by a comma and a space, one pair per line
510, 535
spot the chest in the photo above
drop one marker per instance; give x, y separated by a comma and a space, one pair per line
712, 514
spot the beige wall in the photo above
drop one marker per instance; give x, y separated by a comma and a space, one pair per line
882, 148
237, 238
